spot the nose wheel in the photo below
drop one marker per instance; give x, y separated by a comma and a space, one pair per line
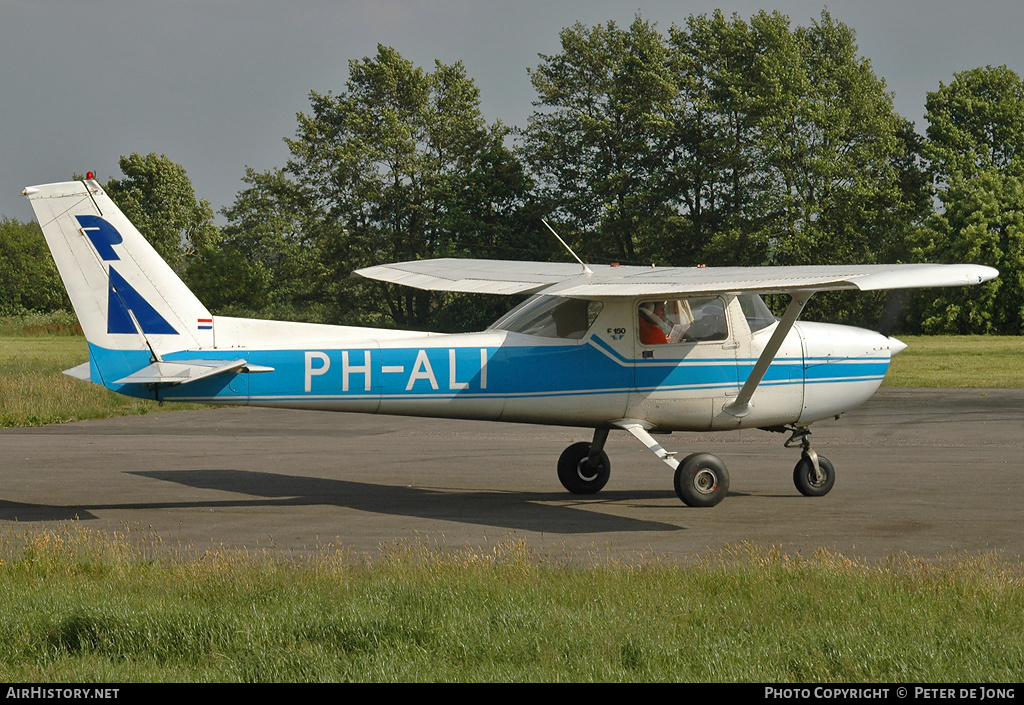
584, 468
813, 474
812, 482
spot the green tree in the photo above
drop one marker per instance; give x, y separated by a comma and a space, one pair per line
790, 151
749, 142
400, 165
28, 277
981, 221
157, 196
596, 144
736, 80
271, 251
843, 167
976, 124
975, 156
727, 143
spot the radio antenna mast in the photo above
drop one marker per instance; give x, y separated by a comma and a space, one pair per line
586, 269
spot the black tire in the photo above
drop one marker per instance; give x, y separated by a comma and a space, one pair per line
702, 480
807, 483
574, 474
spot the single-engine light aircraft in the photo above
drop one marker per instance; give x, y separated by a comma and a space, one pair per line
647, 350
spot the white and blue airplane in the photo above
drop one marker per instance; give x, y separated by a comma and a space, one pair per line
647, 350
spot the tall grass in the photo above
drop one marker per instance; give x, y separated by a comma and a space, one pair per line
80, 605
31, 324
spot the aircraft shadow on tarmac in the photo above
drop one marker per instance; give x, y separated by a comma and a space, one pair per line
25, 512
527, 511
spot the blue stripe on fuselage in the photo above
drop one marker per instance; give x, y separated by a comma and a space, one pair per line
590, 367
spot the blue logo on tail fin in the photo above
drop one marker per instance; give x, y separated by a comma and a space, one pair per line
123, 301
102, 234
122, 298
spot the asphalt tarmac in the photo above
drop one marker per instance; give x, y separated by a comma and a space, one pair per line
928, 473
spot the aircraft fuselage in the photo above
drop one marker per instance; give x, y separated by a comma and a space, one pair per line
606, 374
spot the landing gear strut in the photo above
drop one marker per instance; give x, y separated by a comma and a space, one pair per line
813, 474
701, 479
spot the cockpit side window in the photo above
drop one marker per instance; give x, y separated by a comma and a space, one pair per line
681, 321
551, 317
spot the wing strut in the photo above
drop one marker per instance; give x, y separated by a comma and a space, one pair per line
740, 406
637, 428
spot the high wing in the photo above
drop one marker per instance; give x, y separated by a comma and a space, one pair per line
476, 276
570, 280
510, 277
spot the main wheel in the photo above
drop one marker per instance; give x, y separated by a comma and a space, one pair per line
807, 482
701, 480
574, 474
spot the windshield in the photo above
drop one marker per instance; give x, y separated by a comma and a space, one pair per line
756, 312
550, 317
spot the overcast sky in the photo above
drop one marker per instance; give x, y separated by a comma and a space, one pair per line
215, 84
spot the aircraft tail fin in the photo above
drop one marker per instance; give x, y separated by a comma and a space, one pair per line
128, 299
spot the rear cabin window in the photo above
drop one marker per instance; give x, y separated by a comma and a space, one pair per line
681, 321
551, 317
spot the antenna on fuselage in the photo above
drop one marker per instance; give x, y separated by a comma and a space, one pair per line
586, 269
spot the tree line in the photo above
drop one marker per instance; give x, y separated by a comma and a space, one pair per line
721, 141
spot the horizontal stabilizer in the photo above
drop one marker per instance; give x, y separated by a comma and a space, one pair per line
81, 372
185, 371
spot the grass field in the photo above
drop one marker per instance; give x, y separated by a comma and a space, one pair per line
81, 606
959, 361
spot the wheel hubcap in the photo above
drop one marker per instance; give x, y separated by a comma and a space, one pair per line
581, 471
705, 481
812, 479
